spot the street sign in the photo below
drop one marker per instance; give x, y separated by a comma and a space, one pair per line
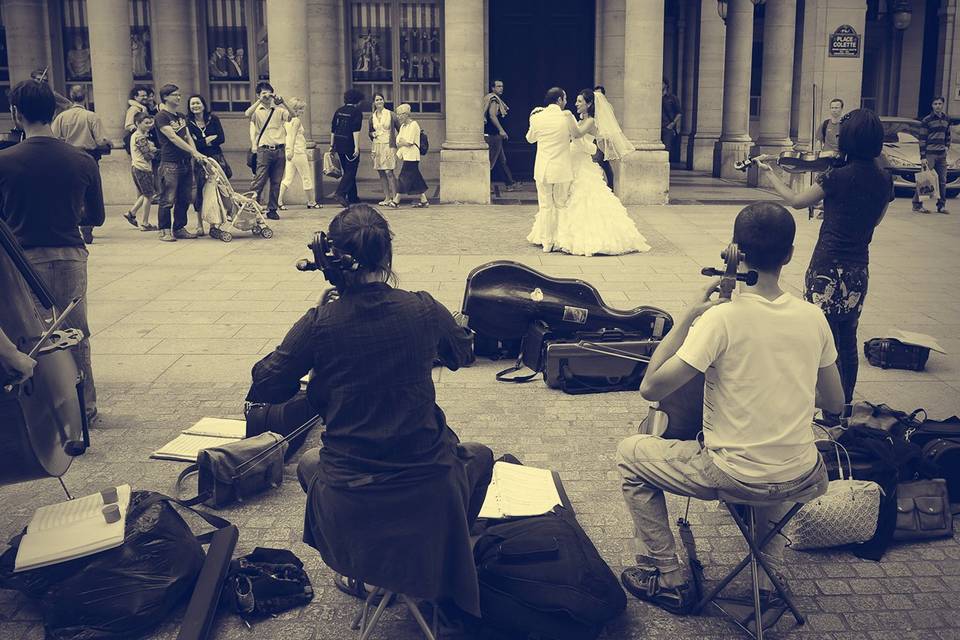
844, 43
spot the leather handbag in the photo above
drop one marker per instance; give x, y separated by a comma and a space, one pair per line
890, 353
598, 362
331, 165
846, 514
923, 510
236, 471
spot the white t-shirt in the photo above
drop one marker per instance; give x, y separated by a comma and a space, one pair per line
761, 360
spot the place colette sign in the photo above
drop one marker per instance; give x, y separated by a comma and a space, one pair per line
844, 42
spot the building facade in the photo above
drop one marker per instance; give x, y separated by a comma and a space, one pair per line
752, 75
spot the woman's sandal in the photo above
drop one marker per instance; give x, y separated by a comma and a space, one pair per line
392, 205
356, 588
422, 205
644, 584
148, 227
282, 207
314, 205
131, 218
200, 232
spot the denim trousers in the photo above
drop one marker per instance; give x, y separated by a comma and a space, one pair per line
498, 157
650, 465
176, 193
64, 271
270, 166
347, 188
937, 162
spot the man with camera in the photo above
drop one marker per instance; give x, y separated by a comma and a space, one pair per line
267, 143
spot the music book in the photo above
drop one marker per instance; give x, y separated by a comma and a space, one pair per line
71, 529
206, 433
516, 490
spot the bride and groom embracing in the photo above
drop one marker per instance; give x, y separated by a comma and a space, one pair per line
578, 213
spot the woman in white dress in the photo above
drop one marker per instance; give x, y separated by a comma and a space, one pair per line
594, 222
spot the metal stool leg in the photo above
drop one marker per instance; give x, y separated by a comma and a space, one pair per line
755, 574
365, 633
427, 632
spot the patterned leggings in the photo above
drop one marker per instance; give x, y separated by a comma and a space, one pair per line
839, 290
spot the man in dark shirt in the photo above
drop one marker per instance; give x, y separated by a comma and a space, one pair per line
47, 189
670, 113
345, 140
934, 143
177, 153
494, 111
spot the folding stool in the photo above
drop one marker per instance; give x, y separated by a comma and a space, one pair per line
364, 622
748, 528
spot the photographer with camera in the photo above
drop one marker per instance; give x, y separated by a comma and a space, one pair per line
392, 493
268, 136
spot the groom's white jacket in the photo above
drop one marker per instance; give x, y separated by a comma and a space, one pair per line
552, 130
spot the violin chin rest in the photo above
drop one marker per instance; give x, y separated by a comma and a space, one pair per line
74, 448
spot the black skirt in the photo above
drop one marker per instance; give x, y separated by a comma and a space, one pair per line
411, 180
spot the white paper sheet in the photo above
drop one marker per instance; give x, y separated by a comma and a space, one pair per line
517, 490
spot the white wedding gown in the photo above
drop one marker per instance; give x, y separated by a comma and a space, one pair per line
594, 222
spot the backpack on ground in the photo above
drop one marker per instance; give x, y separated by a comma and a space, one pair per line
942, 459
542, 575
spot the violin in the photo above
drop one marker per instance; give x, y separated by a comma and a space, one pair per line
679, 416
795, 161
43, 419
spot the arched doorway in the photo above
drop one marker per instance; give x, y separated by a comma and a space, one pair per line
534, 45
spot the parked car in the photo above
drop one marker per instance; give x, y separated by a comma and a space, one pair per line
901, 153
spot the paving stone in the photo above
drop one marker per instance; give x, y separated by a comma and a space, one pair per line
176, 329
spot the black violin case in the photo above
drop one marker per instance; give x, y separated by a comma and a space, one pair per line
560, 327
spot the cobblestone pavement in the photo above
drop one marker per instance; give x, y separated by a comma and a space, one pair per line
177, 327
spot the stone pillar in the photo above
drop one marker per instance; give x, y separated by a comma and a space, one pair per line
287, 26
326, 69
174, 37
735, 142
464, 159
611, 58
709, 77
25, 22
951, 55
779, 28
109, 24
691, 19
643, 177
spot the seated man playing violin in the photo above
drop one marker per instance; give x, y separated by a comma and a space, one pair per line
767, 357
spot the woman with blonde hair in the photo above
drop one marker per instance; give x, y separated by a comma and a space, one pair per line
383, 130
296, 146
411, 180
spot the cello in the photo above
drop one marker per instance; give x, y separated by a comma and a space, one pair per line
43, 419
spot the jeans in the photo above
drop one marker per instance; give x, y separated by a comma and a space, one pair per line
64, 271
347, 188
176, 191
96, 155
650, 465
270, 165
498, 157
937, 162
844, 329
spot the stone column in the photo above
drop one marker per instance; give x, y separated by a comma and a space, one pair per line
708, 107
326, 69
174, 37
951, 55
464, 159
611, 58
109, 24
735, 142
287, 26
779, 28
691, 18
643, 177
26, 26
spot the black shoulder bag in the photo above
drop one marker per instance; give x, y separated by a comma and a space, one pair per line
252, 155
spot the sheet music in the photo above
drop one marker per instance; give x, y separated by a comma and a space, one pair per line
71, 529
186, 446
517, 490
219, 427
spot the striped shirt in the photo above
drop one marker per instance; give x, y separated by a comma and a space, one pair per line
935, 134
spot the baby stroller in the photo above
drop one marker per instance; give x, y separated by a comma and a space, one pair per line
228, 212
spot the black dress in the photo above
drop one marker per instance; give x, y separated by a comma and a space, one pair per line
395, 492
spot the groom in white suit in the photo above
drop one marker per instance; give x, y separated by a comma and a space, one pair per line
552, 128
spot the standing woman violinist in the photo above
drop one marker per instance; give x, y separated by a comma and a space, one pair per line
855, 197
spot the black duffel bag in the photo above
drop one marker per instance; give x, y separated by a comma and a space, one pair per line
542, 575
124, 592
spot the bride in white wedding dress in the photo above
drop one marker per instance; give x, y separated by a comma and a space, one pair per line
594, 222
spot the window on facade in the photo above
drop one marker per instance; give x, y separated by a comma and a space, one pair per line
4, 69
236, 51
76, 47
395, 50
141, 48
